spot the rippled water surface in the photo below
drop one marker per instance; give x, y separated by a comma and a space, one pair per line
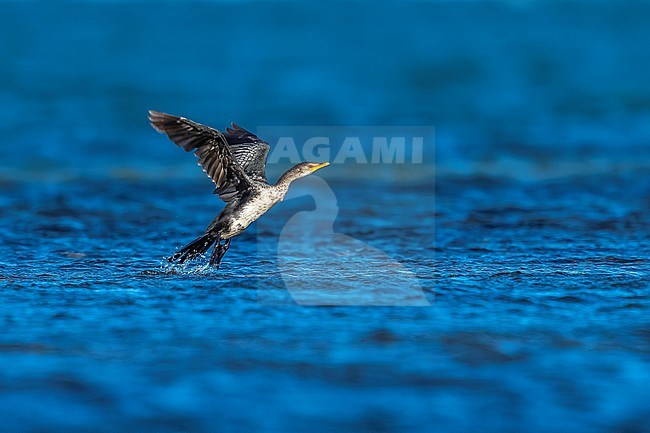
528, 233
536, 306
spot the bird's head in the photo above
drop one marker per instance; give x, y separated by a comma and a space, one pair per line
300, 170
306, 168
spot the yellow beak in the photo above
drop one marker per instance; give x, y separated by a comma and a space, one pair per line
319, 166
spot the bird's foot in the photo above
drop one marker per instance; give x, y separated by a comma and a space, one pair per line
218, 253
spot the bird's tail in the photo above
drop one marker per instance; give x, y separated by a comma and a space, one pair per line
195, 248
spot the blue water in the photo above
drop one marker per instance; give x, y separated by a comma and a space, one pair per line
527, 227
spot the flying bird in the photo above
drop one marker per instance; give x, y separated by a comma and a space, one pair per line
235, 160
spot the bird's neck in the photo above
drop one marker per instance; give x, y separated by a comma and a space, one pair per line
288, 177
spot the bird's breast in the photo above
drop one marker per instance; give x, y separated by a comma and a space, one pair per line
248, 212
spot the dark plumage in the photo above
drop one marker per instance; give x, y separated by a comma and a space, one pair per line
235, 160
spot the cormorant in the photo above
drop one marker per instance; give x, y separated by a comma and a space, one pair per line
235, 160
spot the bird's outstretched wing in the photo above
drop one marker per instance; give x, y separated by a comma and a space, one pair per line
249, 151
212, 149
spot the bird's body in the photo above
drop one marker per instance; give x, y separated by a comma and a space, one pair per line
245, 210
235, 160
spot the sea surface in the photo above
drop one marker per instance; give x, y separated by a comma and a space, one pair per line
524, 232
